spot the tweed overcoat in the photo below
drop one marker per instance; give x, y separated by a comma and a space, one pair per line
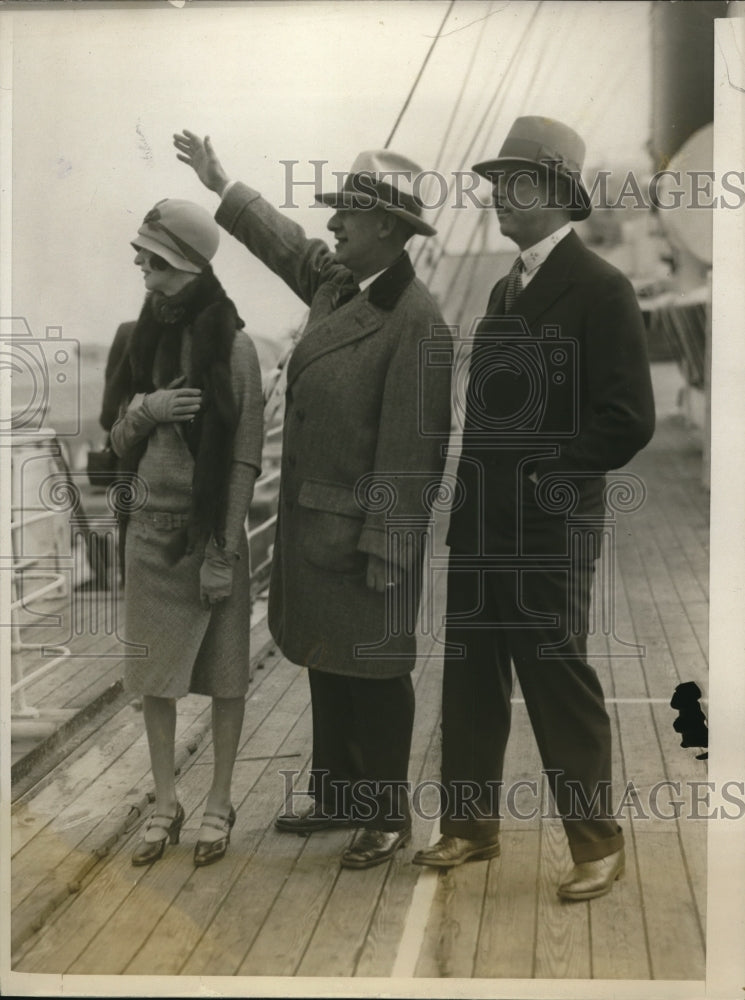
367, 419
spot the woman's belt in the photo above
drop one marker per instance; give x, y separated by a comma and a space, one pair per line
161, 520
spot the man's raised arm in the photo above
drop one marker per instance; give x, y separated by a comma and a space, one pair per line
302, 263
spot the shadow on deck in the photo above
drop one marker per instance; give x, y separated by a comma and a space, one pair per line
280, 905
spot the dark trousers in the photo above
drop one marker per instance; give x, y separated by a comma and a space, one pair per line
562, 693
361, 742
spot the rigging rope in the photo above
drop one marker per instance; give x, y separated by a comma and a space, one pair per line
449, 127
493, 106
402, 112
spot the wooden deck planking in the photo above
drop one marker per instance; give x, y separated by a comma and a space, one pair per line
463, 908
197, 895
676, 948
57, 851
664, 885
617, 924
268, 855
562, 948
339, 939
682, 767
452, 936
380, 948
139, 913
282, 941
279, 905
190, 711
506, 946
659, 671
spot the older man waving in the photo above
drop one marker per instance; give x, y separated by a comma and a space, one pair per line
356, 460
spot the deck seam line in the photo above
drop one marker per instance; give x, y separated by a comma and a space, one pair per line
417, 918
420, 908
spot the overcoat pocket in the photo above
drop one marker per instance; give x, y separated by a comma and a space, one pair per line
330, 526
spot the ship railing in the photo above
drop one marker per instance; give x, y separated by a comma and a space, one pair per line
37, 563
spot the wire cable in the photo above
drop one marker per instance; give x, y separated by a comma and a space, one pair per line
492, 110
402, 112
459, 99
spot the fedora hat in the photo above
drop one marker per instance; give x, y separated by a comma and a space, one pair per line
552, 146
182, 233
388, 180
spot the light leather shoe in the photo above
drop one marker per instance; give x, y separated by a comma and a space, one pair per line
451, 851
373, 847
314, 818
589, 879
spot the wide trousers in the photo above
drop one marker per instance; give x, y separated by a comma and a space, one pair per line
536, 620
361, 743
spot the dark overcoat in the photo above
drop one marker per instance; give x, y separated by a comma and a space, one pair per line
561, 389
367, 420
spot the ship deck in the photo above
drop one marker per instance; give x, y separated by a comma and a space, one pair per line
279, 905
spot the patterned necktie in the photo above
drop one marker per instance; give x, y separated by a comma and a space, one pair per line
514, 284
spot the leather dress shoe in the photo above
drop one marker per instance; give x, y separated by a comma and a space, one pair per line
314, 818
206, 852
148, 851
451, 851
589, 879
373, 847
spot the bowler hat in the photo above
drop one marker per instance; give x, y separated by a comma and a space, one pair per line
182, 233
386, 179
552, 146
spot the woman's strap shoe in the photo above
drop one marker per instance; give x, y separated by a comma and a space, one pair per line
206, 852
148, 851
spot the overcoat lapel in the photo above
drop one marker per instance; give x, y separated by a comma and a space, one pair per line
553, 278
359, 318
352, 322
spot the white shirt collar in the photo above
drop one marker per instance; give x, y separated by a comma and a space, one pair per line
366, 282
534, 256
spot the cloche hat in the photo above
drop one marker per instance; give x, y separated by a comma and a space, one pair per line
181, 232
389, 180
548, 144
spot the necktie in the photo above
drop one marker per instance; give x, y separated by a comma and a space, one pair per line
514, 284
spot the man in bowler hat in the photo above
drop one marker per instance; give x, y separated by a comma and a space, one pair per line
559, 393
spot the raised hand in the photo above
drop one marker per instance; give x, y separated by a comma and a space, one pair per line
200, 156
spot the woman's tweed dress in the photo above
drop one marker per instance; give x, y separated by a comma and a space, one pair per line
184, 647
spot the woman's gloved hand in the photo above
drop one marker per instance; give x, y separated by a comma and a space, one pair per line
216, 575
176, 403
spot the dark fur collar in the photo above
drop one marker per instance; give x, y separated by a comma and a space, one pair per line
387, 289
202, 311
